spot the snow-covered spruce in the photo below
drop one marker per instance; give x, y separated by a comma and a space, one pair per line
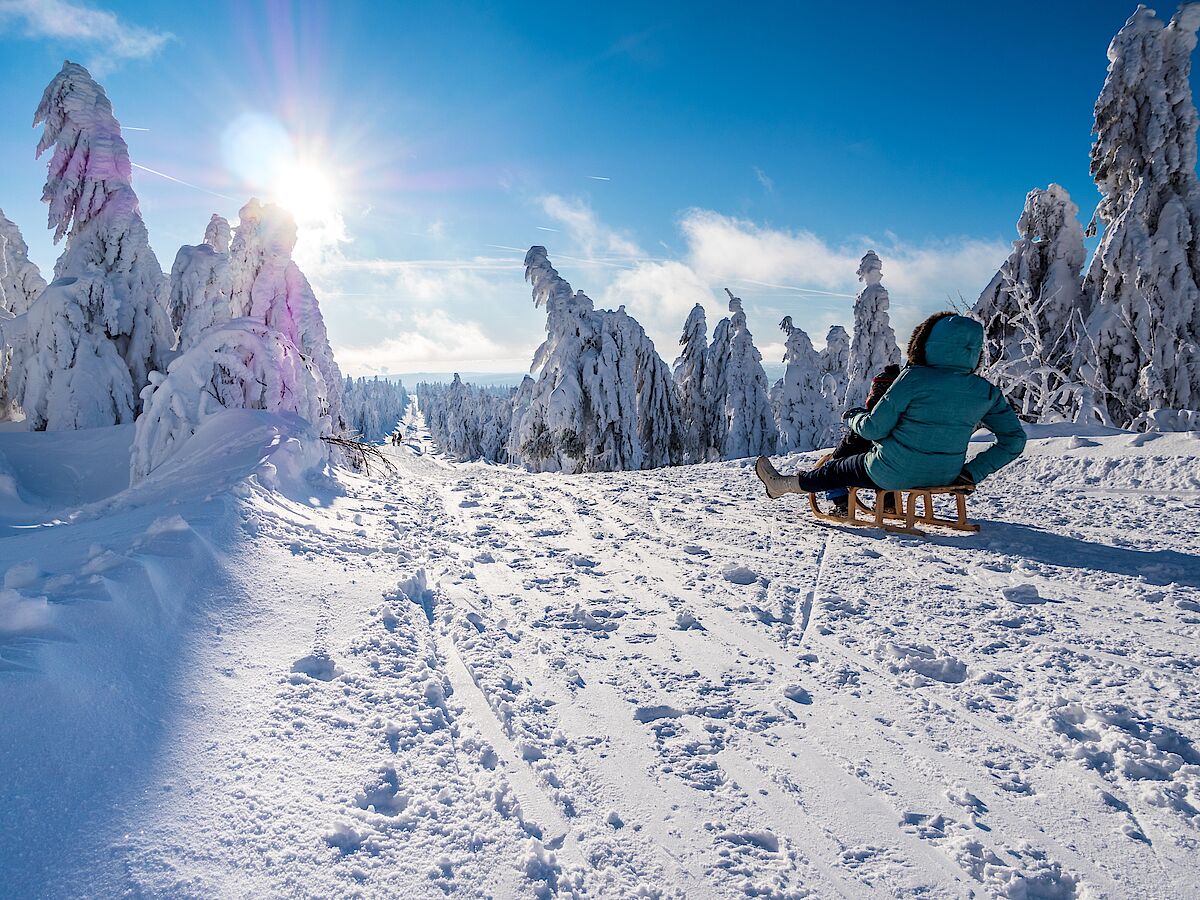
267, 285
1031, 310
835, 364
743, 421
1144, 281
20, 284
696, 408
373, 406
242, 364
603, 399
201, 286
116, 284
874, 342
803, 411
468, 421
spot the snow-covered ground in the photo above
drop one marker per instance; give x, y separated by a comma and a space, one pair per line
238, 679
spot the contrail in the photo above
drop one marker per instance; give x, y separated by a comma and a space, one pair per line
598, 177
180, 181
133, 128
544, 228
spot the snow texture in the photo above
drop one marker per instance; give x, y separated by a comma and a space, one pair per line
803, 411
1141, 354
603, 399
471, 680
736, 385
874, 342
1032, 311
20, 284
267, 285
242, 364
117, 285
217, 234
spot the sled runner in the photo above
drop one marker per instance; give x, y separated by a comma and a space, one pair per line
897, 510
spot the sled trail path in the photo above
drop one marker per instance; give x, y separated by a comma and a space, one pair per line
483, 682
778, 707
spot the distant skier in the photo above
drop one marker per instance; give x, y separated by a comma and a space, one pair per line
920, 428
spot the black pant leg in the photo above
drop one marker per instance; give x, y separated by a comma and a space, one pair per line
850, 471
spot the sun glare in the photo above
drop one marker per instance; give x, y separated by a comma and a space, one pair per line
306, 191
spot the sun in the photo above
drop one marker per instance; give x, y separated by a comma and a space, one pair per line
307, 191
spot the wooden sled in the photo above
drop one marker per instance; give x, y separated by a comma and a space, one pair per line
903, 516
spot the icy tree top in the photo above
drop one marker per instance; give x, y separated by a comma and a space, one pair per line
20, 280
268, 228
738, 317
1047, 214
218, 235
1145, 118
870, 270
549, 288
91, 161
696, 326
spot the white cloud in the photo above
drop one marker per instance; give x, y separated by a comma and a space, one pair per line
475, 313
76, 23
592, 238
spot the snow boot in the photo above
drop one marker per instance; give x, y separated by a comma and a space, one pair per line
777, 485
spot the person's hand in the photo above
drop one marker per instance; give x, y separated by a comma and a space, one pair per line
854, 410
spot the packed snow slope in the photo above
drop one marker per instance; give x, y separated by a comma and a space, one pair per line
244, 680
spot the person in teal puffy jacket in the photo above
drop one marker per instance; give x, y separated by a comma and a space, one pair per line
921, 427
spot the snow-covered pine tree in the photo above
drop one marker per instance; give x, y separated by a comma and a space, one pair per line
267, 285
201, 285
20, 284
695, 407
1141, 354
603, 399
745, 424
240, 364
115, 283
1031, 309
803, 413
874, 343
835, 365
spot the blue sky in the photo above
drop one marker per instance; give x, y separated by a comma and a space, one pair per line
659, 151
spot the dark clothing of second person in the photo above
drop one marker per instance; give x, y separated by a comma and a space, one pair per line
836, 476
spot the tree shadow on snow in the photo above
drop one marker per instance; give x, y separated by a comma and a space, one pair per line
1158, 567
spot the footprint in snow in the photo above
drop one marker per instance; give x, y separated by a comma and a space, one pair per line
317, 666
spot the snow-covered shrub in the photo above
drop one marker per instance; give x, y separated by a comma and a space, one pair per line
743, 421
20, 284
803, 412
117, 283
79, 380
874, 342
1031, 309
374, 406
468, 421
603, 399
1143, 283
267, 285
242, 364
696, 409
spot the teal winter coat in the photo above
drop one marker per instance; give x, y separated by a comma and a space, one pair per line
923, 423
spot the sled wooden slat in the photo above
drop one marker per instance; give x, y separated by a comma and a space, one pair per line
896, 511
